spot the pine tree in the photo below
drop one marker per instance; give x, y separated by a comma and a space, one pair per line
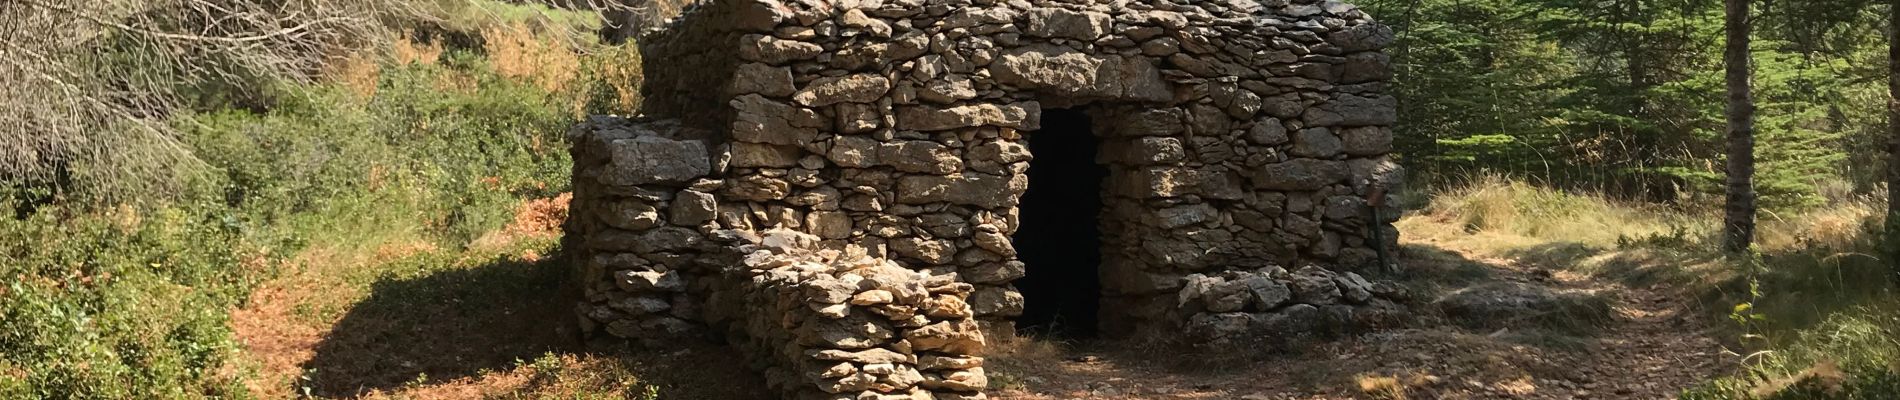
1739, 223
1893, 143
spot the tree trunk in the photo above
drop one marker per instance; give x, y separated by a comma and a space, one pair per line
1739, 223
1893, 140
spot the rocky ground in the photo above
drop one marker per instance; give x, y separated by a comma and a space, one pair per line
1585, 339
1489, 327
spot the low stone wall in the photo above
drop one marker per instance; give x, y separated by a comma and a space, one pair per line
822, 319
1274, 305
637, 233
840, 324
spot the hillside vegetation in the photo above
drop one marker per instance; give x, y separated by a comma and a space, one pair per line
127, 258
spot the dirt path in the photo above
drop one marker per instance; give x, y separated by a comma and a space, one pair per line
408, 319
460, 328
1653, 347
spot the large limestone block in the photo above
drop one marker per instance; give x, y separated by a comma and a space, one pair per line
855, 88
1191, 249
652, 159
919, 156
1353, 110
1367, 140
750, 155
1315, 143
772, 50
762, 79
1301, 174
1064, 71
1068, 24
1023, 115
761, 120
1152, 182
975, 189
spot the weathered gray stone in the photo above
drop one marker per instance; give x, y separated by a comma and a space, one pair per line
631, 215
1064, 23
854, 151
1267, 293
920, 157
1016, 115
855, 88
692, 208
829, 224
1176, 217
745, 154
855, 19
981, 190
762, 120
1301, 174
1315, 143
772, 50
1313, 285
1267, 131
1353, 110
751, 78
649, 159
648, 281
1366, 140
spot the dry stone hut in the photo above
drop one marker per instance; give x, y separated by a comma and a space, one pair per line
852, 189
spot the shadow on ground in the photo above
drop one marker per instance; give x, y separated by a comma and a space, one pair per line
466, 322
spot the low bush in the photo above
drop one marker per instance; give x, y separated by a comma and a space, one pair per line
434, 142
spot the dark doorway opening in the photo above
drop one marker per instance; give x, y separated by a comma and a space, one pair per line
1060, 232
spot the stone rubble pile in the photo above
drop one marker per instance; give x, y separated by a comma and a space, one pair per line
1275, 305
840, 324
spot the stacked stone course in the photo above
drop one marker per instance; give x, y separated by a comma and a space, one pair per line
1239, 135
1277, 306
838, 323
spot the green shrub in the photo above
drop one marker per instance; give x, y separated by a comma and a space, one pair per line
121, 305
114, 303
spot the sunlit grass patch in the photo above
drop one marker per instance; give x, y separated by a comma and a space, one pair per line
1814, 309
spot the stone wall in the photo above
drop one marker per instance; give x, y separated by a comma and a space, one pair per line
1242, 137
821, 319
837, 323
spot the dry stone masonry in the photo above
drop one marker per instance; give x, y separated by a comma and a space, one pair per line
833, 183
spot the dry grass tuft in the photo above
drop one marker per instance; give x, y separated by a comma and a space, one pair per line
358, 72
519, 51
1496, 204
1010, 358
1841, 224
410, 52
538, 218
1394, 387
1381, 387
620, 70
1825, 375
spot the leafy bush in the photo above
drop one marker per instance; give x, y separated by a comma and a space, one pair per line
118, 302
122, 304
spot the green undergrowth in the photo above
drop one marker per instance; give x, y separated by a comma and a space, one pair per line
1813, 312
132, 300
